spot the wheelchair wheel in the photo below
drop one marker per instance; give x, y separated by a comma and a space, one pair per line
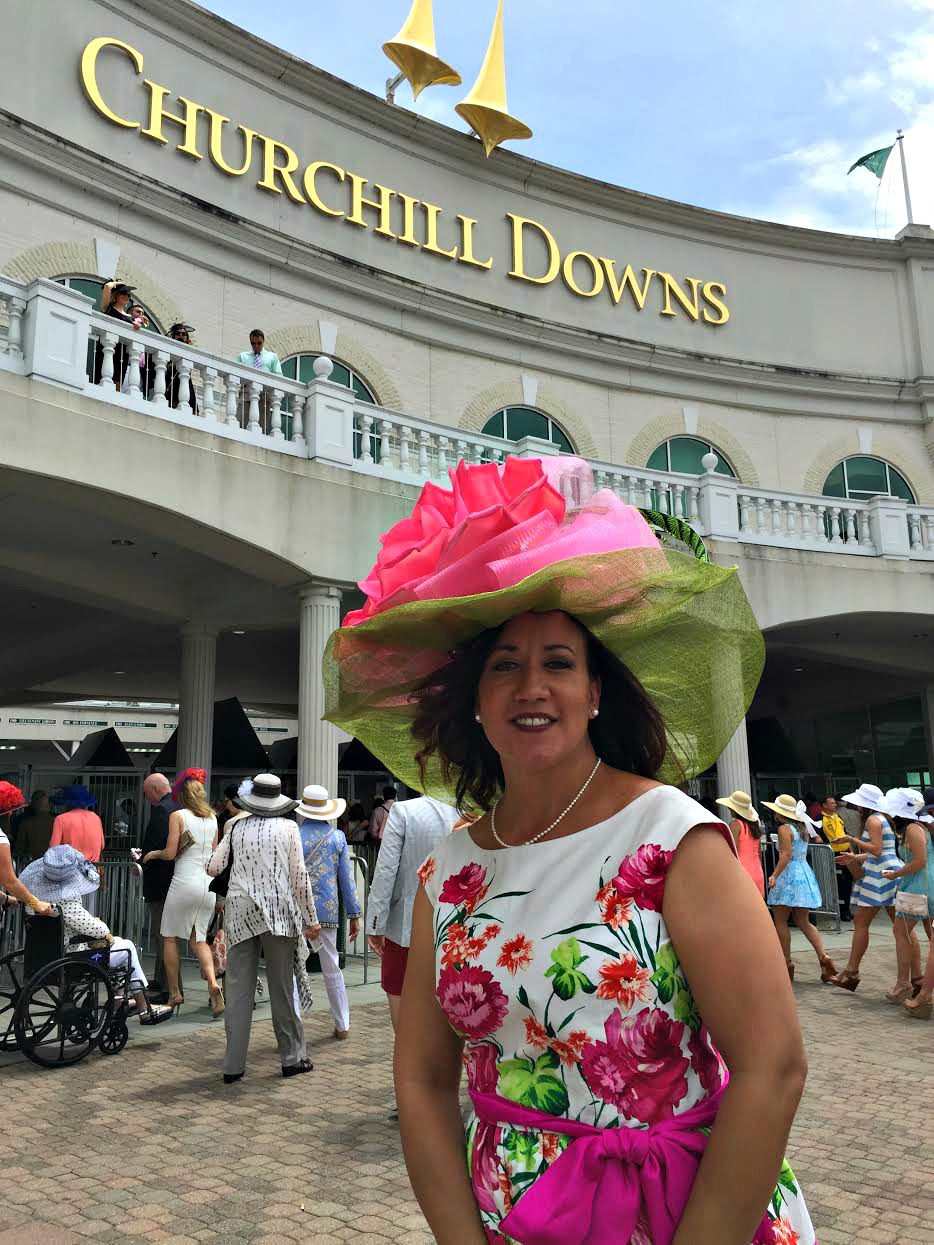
11, 979
114, 1038
62, 1012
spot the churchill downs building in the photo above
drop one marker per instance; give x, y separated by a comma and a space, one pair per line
180, 527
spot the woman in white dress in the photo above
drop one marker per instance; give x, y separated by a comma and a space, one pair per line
189, 904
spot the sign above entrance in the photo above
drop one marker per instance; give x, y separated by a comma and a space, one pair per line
536, 255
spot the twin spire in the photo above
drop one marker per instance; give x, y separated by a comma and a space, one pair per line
485, 109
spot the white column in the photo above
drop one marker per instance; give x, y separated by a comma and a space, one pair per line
733, 764
317, 740
196, 696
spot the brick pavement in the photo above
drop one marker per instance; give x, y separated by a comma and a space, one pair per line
151, 1146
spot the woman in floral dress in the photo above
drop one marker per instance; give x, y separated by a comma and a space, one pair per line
605, 969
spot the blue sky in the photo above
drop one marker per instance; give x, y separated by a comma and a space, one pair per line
747, 108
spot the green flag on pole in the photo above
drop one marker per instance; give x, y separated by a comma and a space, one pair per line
875, 161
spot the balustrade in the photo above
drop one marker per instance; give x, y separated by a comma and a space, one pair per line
171, 380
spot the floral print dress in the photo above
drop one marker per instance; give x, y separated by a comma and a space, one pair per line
555, 966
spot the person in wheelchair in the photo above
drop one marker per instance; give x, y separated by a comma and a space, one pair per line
62, 877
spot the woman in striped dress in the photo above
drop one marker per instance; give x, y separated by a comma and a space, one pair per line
875, 851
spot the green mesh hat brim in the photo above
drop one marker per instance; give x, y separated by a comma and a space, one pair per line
683, 627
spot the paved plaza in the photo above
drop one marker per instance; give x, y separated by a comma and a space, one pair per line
151, 1146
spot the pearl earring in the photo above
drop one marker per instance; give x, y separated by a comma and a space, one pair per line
476, 717
594, 713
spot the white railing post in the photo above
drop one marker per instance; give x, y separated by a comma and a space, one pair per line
133, 373
256, 390
719, 509
183, 368
298, 420
888, 523
329, 418
232, 382
15, 309
108, 346
158, 390
275, 415
208, 400
53, 326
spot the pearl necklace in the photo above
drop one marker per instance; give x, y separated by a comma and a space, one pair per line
547, 829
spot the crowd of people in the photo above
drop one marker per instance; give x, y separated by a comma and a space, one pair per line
117, 302
885, 864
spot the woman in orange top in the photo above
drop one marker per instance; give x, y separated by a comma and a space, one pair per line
746, 832
78, 826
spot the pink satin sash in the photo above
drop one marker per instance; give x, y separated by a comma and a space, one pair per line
592, 1194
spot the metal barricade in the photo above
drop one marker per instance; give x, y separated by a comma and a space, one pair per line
358, 862
120, 899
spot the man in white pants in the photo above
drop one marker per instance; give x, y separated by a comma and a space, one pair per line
327, 859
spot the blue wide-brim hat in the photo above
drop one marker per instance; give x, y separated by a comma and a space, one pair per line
62, 873
76, 795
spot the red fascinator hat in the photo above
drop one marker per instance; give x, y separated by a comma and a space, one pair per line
188, 775
11, 798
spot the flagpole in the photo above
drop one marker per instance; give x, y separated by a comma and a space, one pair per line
901, 152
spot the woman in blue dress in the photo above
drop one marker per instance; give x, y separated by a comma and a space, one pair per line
914, 877
875, 853
793, 887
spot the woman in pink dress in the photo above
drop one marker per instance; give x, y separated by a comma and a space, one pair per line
604, 970
746, 833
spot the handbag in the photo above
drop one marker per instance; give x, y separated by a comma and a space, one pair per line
185, 840
219, 950
911, 904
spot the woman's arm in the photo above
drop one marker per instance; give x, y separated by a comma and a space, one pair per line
220, 857
784, 853
13, 886
78, 921
346, 883
916, 839
427, 1074
733, 962
735, 829
170, 851
56, 839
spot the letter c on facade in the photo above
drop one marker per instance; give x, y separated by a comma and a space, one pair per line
89, 76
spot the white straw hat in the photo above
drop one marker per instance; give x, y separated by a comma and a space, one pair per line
317, 804
740, 803
786, 806
265, 798
904, 802
867, 796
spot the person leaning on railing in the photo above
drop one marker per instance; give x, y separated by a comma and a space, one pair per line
180, 333
11, 888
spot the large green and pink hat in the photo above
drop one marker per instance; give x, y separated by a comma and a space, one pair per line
532, 535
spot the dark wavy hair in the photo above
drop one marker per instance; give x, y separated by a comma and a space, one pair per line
629, 733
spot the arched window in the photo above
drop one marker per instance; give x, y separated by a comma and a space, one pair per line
860, 478
92, 287
684, 454
515, 422
301, 367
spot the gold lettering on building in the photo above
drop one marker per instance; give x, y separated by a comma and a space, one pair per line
467, 256
382, 205
432, 213
310, 182
216, 144
519, 226
89, 77
536, 255
188, 121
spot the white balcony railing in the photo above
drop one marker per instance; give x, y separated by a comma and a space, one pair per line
51, 333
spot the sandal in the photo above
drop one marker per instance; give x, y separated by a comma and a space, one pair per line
845, 980
217, 1002
899, 994
828, 970
918, 1011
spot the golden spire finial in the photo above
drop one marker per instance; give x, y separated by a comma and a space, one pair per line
485, 109
414, 51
